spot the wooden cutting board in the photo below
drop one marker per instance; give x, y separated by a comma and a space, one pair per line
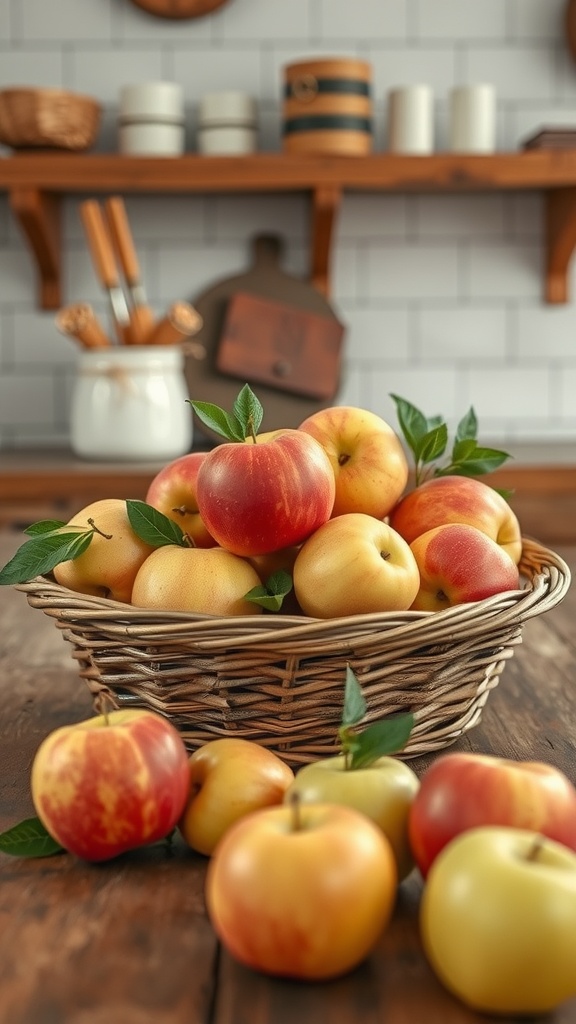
277, 297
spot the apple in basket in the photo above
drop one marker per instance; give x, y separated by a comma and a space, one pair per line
173, 492
229, 778
355, 564
458, 564
108, 565
256, 498
458, 499
111, 783
497, 921
365, 775
301, 891
204, 581
460, 791
367, 457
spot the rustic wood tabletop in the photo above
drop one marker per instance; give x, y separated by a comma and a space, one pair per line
129, 942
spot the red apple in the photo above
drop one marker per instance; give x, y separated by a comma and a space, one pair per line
258, 498
111, 783
458, 499
369, 462
173, 492
459, 564
352, 565
461, 791
304, 897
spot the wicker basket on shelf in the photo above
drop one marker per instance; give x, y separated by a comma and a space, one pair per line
279, 680
48, 119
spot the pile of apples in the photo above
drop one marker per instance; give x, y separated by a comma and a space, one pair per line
323, 506
304, 869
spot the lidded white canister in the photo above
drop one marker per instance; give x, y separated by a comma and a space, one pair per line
131, 402
227, 123
151, 119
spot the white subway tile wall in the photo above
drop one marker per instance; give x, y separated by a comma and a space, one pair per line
441, 295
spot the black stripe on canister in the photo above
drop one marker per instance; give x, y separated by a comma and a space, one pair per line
327, 122
344, 86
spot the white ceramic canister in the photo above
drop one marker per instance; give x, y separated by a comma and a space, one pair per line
151, 119
227, 123
131, 402
472, 119
411, 119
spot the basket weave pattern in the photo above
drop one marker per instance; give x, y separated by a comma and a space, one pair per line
48, 118
279, 680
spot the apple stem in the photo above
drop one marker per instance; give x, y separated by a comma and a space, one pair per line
534, 850
104, 704
295, 804
91, 523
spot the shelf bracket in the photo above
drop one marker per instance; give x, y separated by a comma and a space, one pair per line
38, 214
326, 200
560, 241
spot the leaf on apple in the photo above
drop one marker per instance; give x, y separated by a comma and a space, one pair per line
427, 439
29, 839
46, 549
271, 594
153, 526
389, 736
244, 420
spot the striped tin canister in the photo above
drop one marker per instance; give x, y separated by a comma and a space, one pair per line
328, 107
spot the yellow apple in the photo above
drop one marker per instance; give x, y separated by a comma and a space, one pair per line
108, 566
383, 791
369, 462
205, 581
352, 565
229, 778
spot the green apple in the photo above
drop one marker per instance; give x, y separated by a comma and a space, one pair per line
383, 791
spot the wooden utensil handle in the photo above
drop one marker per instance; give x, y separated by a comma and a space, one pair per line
122, 238
99, 243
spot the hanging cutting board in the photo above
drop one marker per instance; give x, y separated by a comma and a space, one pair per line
274, 309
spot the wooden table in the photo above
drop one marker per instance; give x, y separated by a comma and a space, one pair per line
129, 942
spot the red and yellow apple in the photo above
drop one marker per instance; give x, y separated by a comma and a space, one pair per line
355, 564
229, 778
259, 498
173, 492
301, 892
460, 791
205, 581
108, 566
383, 791
497, 921
369, 463
110, 784
458, 499
459, 564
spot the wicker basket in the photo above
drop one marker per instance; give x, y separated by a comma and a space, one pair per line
48, 119
279, 680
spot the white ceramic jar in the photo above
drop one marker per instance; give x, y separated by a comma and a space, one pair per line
227, 123
151, 119
131, 403
411, 119
472, 122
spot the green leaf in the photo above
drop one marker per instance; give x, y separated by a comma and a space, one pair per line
153, 526
463, 449
354, 700
478, 463
380, 739
271, 595
432, 445
219, 420
467, 427
38, 556
434, 421
44, 526
29, 839
413, 423
248, 411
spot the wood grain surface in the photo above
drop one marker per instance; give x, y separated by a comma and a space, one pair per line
129, 942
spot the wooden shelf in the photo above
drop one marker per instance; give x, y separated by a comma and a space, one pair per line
35, 183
